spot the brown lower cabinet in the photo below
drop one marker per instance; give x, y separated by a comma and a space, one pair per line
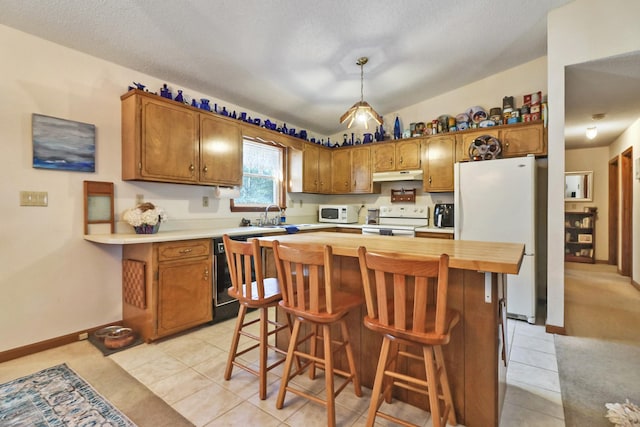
167, 286
434, 235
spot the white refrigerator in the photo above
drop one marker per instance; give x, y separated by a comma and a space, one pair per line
495, 201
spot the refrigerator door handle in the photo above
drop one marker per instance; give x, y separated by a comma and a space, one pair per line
457, 212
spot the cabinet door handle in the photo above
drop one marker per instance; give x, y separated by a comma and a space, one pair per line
401, 160
206, 274
192, 168
429, 179
205, 169
185, 251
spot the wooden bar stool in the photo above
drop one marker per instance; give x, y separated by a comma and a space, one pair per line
408, 307
252, 290
309, 294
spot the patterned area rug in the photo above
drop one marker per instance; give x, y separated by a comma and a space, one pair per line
56, 396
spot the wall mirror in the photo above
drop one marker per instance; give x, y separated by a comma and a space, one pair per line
578, 186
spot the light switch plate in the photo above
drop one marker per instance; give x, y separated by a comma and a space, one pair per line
34, 198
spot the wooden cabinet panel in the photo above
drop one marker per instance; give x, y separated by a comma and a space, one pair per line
439, 154
408, 155
341, 168
178, 287
400, 155
169, 142
524, 139
517, 140
316, 169
171, 251
324, 171
361, 171
434, 235
184, 294
166, 141
310, 169
384, 157
467, 138
220, 152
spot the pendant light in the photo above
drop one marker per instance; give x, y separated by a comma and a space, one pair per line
361, 111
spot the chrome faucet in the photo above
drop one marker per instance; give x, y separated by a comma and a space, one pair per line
266, 213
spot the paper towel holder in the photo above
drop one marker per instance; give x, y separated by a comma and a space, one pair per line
226, 192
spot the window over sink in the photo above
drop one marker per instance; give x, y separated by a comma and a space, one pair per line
263, 171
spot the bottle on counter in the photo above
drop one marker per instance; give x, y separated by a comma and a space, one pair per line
283, 217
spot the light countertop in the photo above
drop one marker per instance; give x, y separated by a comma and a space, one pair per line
209, 233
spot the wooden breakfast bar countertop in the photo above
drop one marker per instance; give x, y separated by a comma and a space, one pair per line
476, 355
463, 254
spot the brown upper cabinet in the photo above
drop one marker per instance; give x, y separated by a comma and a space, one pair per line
397, 155
316, 169
517, 140
351, 171
165, 141
438, 156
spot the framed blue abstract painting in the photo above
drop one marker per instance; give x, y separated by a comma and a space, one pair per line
63, 144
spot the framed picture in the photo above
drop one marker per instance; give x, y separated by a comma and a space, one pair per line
584, 238
63, 144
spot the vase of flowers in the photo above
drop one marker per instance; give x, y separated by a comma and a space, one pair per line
145, 218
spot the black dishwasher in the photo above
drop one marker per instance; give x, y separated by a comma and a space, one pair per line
224, 307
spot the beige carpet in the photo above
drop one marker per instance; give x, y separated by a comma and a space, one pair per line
599, 359
599, 303
128, 395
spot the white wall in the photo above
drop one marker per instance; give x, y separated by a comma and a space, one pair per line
631, 138
52, 282
597, 161
584, 30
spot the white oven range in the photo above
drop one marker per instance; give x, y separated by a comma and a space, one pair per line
398, 221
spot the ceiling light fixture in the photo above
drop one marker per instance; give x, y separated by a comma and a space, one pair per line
592, 131
361, 111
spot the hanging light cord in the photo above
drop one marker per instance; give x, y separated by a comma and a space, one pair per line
361, 81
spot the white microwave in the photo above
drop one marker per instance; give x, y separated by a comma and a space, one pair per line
342, 214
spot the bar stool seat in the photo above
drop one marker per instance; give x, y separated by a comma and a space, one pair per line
406, 301
253, 291
310, 296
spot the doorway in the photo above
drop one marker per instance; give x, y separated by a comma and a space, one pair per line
614, 198
626, 226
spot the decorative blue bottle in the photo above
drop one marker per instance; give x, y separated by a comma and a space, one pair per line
397, 132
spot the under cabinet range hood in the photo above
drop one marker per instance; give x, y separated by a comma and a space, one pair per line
410, 175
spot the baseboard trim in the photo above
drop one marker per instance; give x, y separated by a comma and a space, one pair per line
635, 284
49, 344
552, 329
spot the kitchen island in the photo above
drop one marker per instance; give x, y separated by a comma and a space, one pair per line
476, 355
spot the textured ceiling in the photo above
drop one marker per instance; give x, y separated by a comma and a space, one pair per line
295, 60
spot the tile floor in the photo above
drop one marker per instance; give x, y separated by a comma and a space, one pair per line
187, 372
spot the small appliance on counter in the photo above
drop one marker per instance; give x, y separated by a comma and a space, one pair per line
373, 216
443, 215
339, 214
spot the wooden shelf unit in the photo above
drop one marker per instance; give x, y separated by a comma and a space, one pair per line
580, 236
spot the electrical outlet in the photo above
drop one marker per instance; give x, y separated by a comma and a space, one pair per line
139, 199
205, 201
83, 336
34, 198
